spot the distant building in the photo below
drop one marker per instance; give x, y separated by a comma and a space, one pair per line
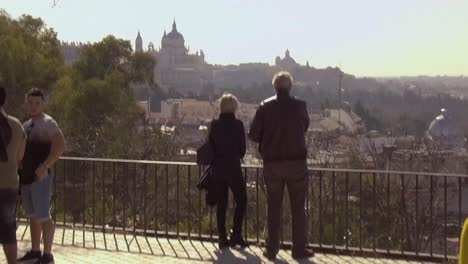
191, 111
287, 63
71, 52
340, 121
176, 67
443, 131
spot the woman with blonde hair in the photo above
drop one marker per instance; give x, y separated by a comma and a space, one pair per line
227, 138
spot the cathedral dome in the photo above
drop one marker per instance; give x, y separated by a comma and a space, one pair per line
174, 34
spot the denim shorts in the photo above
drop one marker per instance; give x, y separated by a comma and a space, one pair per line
35, 199
7, 216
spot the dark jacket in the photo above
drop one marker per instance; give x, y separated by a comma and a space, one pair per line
279, 126
227, 137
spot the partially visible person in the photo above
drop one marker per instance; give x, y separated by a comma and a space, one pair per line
44, 146
227, 137
12, 144
279, 126
463, 258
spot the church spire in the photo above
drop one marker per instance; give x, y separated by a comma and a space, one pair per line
174, 26
139, 43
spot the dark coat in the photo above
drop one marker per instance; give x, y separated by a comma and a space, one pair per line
227, 137
279, 126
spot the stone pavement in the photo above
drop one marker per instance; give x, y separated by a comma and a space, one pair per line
94, 247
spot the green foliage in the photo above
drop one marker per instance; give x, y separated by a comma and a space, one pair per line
29, 55
93, 102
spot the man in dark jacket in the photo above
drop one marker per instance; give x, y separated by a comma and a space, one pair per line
279, 126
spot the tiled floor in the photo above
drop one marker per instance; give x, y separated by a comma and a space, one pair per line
70, 247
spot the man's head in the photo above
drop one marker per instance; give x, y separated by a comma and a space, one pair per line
2, 96
35, 102
444, 112
282, 81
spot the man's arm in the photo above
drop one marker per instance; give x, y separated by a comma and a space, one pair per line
307, 119
242, 138
21, 149
56, 150
256, 128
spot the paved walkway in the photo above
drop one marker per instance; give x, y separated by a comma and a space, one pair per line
88, 247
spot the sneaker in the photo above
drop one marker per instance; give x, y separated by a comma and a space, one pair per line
30, 257
303, 254
47, 259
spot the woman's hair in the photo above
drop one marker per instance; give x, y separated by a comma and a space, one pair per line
228, 103
5, 129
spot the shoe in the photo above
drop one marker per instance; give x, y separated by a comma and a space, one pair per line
47, 259
30, 257
269, 256
238, 241
223, 243
304, 254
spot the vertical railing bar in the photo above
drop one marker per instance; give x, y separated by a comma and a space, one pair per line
199, 206
177, 199
403, 213
333, 209
145, 183
134, 198
346, 211
432, 215
417, 216
124, 198
445, 217
320, 208
64, 199
460, 225
114, 218
84, 203
245, 217
388, 214
307, 206
257, 204
360, 210
167, 199
374, 209
94, 202
104, 203
189, 171
156, 224
73, 218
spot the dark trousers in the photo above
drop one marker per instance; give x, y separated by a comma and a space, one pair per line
277, 175
237, 185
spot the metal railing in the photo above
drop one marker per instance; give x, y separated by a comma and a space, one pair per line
387, 213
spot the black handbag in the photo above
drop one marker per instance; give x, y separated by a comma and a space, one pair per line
205, 154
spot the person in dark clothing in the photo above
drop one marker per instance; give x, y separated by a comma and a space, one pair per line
279, 126
227, 137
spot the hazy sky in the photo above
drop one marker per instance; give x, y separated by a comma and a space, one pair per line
367, 37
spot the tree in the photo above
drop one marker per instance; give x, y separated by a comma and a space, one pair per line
94, 104
30, 56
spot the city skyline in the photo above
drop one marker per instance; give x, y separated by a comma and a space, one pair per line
365, 38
